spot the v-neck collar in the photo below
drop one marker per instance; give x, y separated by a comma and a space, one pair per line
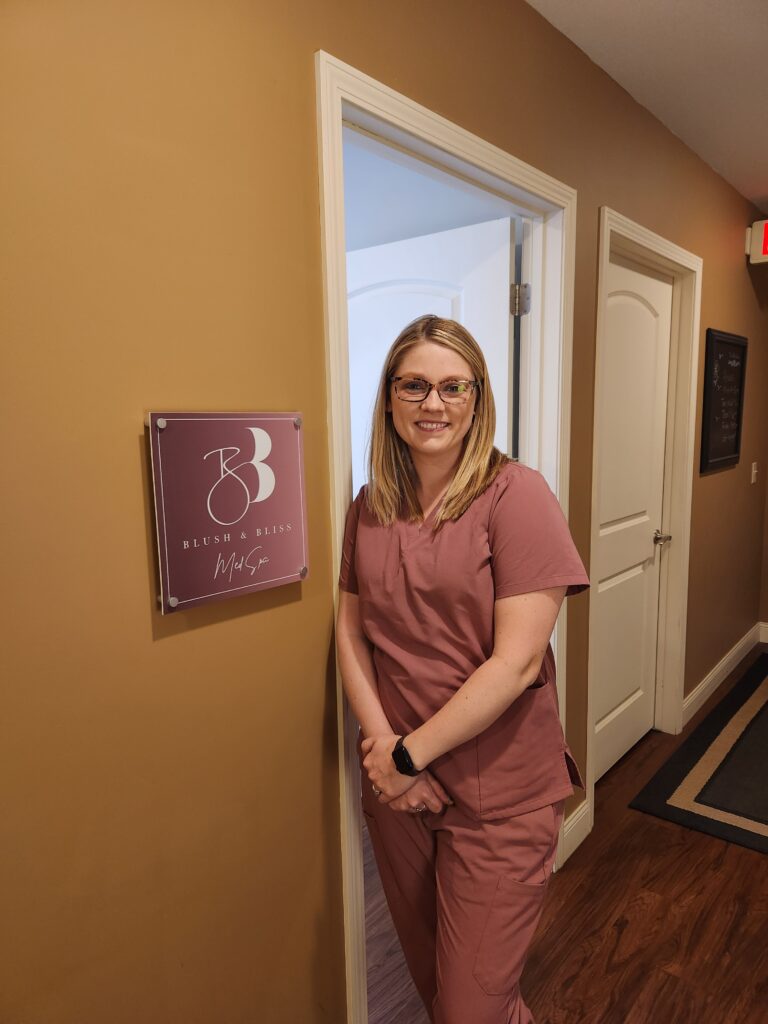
412, 533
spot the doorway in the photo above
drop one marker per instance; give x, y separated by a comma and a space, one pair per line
419, 240
643, 463
347, 98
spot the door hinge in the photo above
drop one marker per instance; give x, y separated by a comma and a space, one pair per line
519, 299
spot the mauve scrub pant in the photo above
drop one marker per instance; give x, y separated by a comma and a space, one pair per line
465, 897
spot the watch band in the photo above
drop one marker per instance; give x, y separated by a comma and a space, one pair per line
402, 759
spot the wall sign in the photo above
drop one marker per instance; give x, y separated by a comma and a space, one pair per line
230, 506
724, 375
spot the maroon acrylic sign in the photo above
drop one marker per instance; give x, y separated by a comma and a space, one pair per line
229, 504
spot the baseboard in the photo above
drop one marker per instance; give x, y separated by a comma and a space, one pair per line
576, 828
696, 698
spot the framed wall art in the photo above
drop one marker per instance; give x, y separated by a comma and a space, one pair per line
725, 371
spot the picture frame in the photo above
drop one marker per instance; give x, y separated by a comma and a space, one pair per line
725, 369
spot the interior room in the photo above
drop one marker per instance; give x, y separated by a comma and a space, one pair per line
181, 836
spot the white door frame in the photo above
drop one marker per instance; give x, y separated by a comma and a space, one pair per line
347, 95
621, 236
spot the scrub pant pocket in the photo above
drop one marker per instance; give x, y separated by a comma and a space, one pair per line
513, 917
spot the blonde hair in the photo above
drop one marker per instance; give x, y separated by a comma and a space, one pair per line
391, 473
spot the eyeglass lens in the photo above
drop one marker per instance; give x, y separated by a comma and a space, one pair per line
416, 390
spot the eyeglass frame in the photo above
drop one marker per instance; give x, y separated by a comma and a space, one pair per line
436, 387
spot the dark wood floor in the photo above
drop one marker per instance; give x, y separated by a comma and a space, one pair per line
647, 922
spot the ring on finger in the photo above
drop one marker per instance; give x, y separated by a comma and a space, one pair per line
376, 792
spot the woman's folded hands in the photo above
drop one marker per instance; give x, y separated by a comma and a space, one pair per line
401, 792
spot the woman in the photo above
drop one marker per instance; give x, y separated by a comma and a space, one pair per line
455, 563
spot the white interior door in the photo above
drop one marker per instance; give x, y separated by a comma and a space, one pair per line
464, 274
633, 365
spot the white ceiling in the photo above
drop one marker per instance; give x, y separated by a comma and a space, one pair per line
390, 195
698, 65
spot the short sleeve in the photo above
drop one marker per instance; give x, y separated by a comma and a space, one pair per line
347, 573
531, 545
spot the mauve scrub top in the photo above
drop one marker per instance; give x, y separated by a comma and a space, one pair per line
426, 603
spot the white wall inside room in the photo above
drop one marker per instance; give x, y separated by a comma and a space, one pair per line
390, 195
421, 240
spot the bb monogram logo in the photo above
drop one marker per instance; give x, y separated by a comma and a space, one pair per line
239, 476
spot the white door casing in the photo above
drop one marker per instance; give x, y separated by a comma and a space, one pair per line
630, 428
463, 273
346, 94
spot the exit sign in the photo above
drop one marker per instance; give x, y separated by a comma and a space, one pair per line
757, 242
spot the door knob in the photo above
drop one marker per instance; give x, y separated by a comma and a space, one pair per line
661, 538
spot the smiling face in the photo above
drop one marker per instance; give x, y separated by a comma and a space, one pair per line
432, 428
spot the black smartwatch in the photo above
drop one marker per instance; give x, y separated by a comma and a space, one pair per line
402, 759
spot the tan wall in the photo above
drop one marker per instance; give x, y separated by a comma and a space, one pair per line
727, 527
764, 589
170, 816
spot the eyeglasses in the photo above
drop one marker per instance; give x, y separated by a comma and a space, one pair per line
414, 389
